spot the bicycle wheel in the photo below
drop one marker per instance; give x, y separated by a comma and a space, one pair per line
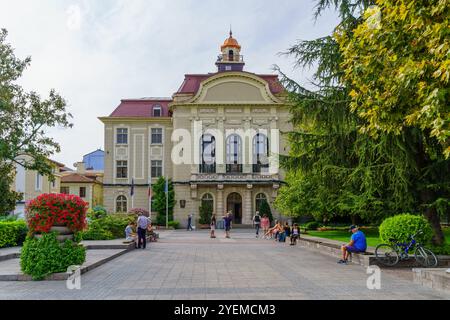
386, 254
425, 257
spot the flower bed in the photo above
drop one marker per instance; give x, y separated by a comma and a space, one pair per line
48, 210
48, 216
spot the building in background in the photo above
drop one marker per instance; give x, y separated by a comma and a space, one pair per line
94, 160
87, 184
32, 184
138, 143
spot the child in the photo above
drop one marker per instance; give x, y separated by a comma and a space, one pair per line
213, 225
295, 234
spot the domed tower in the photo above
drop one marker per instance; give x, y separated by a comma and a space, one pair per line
230, 59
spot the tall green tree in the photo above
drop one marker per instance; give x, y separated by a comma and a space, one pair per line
159, 200
333, 167
397, 65
24, 120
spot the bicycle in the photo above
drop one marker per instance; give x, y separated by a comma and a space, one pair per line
390, 254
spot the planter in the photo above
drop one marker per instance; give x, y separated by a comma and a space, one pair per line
60, 230
60, 238
204, 226
63, 233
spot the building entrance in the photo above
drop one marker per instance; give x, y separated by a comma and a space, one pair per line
234, 204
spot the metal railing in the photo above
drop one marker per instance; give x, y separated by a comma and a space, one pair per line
207, 168
230, 58
234, 168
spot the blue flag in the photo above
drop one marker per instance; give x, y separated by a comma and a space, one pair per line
166, 186
132, 187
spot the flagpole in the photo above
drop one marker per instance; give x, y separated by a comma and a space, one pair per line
132, 193
150, 198
167, 204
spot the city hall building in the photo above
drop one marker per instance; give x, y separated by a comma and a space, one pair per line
218, 138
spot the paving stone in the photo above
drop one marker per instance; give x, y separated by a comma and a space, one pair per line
189, 265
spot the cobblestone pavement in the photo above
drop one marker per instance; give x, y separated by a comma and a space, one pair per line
189, 265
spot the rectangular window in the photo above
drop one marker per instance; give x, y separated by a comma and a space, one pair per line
156, 168
82, 192
156, 135
65, 190
122, 136
38, 181
157, 111
122, 169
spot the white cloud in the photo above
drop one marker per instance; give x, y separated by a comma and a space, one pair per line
74, 17
97, 52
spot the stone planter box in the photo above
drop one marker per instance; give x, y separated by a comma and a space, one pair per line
60, 237
63, 232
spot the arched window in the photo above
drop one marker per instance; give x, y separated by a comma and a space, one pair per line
121, 204
230, 55
260, 198
157, 110
208, 154
234, 154
260, 153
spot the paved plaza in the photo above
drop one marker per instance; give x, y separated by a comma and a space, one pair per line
189, 265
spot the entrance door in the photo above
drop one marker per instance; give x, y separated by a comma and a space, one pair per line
234, 204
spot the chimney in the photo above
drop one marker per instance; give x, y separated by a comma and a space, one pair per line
81, 168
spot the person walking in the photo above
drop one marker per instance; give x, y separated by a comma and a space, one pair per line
189, 226
257, 222
265, 224
142, 223
227, 219
213, 225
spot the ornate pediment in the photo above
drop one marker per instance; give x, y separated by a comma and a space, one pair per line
234, 88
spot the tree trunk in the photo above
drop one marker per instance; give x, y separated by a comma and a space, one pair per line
427, 196
433, 218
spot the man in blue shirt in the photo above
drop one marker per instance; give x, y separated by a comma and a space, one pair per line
227, 219
357, 243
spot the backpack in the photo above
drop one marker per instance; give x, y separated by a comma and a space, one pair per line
257, 219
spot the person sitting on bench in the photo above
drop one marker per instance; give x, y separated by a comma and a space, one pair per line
130, 235
151, 233
357, 244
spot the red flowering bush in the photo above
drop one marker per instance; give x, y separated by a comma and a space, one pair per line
48, 210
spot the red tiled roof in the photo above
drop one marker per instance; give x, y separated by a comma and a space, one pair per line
141, 107
191, 82
77, 178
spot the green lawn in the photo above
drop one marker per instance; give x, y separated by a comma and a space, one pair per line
372, 238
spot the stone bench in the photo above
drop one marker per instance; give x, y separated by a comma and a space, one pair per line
367, 258
334, 250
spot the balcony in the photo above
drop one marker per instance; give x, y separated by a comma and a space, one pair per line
233, 178
261, 168
234, 168
230, 58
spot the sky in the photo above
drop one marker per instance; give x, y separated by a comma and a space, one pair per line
97, 52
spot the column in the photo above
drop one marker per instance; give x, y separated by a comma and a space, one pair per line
219, 201
247, 214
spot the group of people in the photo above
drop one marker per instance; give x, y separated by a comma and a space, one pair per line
279, 232
144, 225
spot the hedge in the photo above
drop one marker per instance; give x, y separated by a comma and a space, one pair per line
43, 256
109, 227
12, 233
403, 226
